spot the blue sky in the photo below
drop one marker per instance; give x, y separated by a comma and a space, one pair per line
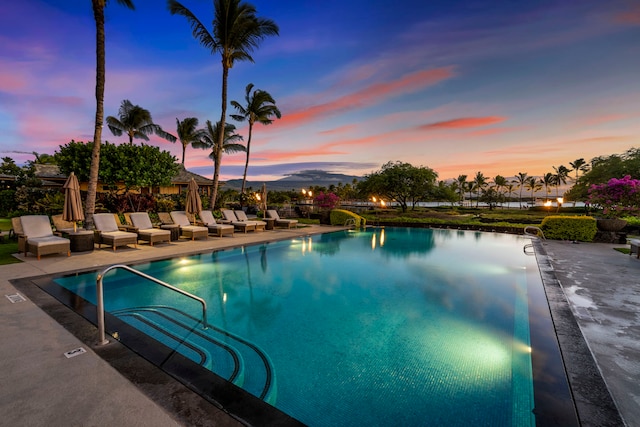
499, 87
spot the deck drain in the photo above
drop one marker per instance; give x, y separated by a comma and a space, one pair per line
76, 352
15, 298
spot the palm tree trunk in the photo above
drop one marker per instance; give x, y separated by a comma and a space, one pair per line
246, 163
92, 188
220, 142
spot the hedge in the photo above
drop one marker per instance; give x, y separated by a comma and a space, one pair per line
340, 217
581, 228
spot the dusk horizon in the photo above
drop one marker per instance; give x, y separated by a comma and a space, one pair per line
458, 87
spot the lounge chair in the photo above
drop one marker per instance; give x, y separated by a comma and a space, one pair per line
16, 226
186, 229
635, 247
165, 218
209, 221
39, 237
272, 213
107, 232
260, 225
62, 226
126, 225
239, 225
146, 231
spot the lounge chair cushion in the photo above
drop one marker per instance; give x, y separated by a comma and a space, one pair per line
146, 231
209, 221
190, 231
39, 238
243, 226
109, 233
272, 213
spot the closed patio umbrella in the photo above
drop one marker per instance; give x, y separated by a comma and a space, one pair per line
72, 210
193, 203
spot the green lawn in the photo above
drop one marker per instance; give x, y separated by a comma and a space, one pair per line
9, 246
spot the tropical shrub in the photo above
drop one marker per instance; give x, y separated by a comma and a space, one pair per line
326, 200
617, 198
581, 228
340, 217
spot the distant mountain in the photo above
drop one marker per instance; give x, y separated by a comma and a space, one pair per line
297, 181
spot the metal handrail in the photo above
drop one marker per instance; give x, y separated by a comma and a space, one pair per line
538, 232
100, 298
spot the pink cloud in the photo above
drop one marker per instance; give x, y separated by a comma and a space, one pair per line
598, 120
373, 94
465, 122
631, 16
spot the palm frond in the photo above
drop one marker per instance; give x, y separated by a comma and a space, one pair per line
198, 30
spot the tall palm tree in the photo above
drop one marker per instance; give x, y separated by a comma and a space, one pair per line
209, 138
236, 32
479, 181
92, 187
260, 107
521, 179
187, 131
533, 185
136, 122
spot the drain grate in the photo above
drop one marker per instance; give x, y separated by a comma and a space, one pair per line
15, 298
75, 352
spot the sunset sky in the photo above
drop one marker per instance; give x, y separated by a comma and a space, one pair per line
499, 87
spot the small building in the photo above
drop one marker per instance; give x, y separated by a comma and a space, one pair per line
51, 177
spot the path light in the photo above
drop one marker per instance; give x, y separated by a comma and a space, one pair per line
382, 203
560, 200
258, 198
373, 199
547, 204
310, 193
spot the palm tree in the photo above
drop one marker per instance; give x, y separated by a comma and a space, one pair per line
462, 185
208, 139
187, 131
136, 122
532, 184
500, 183
236, 32
547, 180
521, 179
260, 107
560, 177
579, 165
92, 187
479, 181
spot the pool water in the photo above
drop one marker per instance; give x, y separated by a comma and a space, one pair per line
385, 326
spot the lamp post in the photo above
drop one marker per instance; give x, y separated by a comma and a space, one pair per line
560, 200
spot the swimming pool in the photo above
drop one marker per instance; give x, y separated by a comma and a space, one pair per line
390, 326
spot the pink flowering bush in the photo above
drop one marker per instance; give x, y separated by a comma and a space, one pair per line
617, 198
326, 200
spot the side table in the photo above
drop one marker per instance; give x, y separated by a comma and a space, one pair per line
175, 230
81, 240
270, 223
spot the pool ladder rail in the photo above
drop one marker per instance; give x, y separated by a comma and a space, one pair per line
268, 392
534, 232
102, 339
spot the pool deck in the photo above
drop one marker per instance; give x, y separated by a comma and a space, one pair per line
40, 386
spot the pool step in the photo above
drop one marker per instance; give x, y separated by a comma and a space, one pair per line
232, 357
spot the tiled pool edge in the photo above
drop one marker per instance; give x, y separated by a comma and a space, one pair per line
594, 404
